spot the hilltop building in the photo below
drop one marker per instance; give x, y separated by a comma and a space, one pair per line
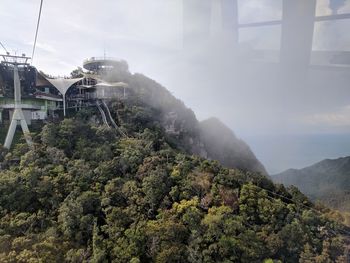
43, 96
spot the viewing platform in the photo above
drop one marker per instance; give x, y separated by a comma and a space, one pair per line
95, 64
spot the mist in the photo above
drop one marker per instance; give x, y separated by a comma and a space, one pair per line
288, 103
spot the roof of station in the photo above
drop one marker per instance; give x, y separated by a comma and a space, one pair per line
61, 84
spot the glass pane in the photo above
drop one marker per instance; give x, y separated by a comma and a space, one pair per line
266, 37
332, 35
250, 11
329, 7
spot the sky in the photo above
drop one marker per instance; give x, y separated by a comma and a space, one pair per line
277, 115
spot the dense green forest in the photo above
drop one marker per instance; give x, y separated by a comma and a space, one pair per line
88, 193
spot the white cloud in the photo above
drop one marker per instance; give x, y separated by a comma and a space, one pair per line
44, 47
148, 34
338, 118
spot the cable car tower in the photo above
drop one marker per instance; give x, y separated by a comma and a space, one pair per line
18, 63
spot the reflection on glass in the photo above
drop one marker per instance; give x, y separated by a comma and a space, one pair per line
267, 37
251, 11
332, 7
329, 35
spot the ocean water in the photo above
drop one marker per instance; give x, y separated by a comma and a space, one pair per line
281, 152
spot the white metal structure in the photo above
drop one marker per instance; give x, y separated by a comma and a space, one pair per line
18, 116
63, 85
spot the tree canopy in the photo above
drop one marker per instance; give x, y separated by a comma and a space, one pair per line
87, 194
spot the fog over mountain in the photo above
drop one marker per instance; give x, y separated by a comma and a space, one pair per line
133, 182
210, 138
248, 90
223, 145
152, 131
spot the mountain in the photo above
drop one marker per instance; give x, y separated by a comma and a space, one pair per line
327, 181
209, 139
136, 193
222, 145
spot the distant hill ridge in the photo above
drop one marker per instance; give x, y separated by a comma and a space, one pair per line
327, 181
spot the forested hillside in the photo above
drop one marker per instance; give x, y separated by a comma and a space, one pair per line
209, 139
327, 181
88, 193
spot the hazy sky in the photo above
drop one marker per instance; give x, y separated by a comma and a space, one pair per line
252, 98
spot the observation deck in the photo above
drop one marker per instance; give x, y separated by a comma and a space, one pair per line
95, 64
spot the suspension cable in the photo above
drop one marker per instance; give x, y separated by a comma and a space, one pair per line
37, 29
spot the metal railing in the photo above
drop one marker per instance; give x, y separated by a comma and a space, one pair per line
93, 59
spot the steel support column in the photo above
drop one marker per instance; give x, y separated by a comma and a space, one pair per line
297, 34
18, 116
